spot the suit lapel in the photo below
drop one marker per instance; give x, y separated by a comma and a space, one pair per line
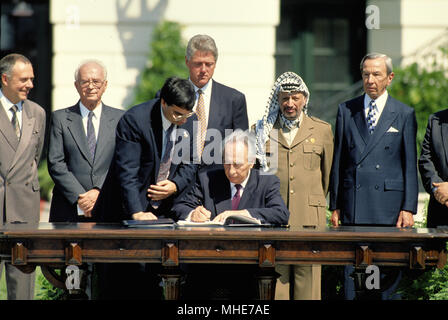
216, 108
157, 129
251, 187
74, 124
359, 118
444, 133
384, 122
222, 198
27, 130
106, 133
279, 136
7, 130
305, 130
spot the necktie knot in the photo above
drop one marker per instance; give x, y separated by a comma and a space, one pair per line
14, 108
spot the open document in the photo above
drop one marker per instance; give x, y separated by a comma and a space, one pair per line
234, 220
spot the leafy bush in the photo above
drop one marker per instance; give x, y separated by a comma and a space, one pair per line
423, 88
46, 291
45, 181
166, 59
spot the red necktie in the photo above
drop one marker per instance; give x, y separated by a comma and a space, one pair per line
236, 198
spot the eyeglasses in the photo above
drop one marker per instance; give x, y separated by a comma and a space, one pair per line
179, 116
96, 83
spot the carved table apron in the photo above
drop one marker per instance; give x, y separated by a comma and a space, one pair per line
54, 244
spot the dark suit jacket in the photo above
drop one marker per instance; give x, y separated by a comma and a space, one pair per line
228, 110
136, 163
19, 160
261, 197
433, 164
69, 161
374, 176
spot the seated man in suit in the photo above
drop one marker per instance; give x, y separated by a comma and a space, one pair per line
237, 188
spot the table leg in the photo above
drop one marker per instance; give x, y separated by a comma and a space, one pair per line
171, 283
267, 279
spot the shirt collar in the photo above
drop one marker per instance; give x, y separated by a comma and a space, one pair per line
165, 122
7, 104
206, 89
85, 112
380, 101
243, 184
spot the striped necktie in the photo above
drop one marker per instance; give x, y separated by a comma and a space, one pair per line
15, 121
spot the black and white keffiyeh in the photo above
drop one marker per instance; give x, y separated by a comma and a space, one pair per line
287, 82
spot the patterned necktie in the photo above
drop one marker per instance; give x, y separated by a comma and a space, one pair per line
371, 116
91, 139
236, 198
200, 112
165, 162
15, 121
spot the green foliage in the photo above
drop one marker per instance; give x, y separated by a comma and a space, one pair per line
166, 59
423, 88
45, 181
429, 284
46, 291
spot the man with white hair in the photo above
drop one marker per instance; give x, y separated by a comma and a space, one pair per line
220, 192
216, 189
299, 150
82, 142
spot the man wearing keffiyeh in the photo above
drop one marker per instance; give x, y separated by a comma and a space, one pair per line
297, 148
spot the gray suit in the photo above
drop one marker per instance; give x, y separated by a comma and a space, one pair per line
69, 161
19, 184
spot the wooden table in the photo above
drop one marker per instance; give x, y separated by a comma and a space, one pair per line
51, 244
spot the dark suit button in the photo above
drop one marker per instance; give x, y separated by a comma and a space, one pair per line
358, 186
386, 147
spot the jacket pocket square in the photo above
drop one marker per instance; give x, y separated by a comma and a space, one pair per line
392, 129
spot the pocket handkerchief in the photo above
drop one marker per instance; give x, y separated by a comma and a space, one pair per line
392, 129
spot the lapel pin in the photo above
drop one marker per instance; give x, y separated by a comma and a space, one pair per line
312, 140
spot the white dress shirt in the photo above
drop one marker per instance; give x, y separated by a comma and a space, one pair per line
95, 119
380, 104
7, 106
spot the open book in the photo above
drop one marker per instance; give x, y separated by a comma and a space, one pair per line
234, 220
